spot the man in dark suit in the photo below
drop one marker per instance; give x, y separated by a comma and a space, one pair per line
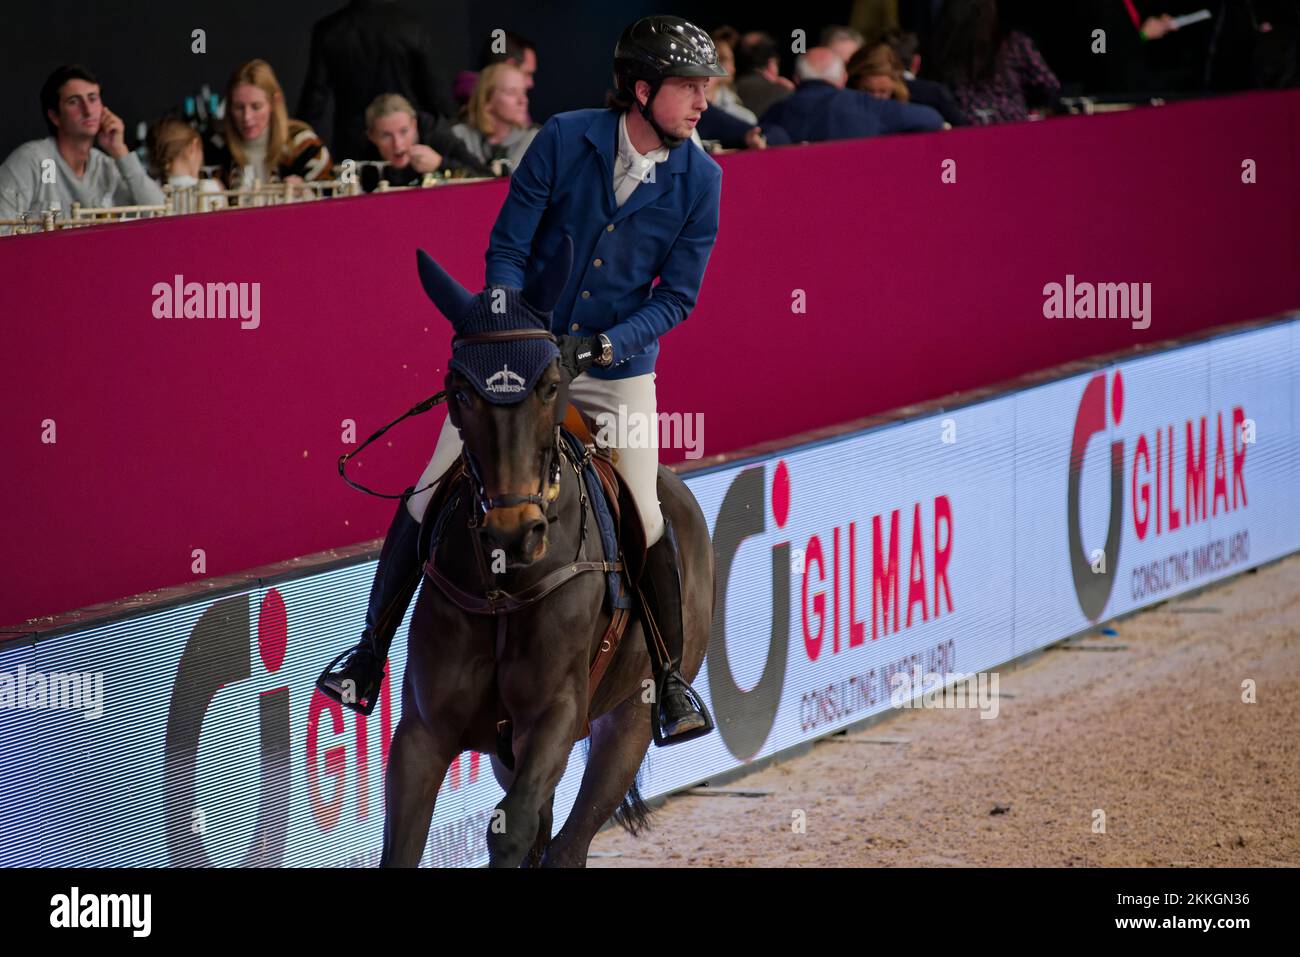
368, 48
937, 97
822, 109
759, 83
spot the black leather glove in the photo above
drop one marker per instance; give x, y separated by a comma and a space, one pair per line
578, 353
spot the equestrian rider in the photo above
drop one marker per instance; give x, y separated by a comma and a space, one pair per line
639, 200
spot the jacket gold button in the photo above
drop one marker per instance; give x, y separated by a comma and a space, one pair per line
598, 263
574, 327
586, 294
609, 228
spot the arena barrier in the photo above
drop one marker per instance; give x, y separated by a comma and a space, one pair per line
947, 538
848, 278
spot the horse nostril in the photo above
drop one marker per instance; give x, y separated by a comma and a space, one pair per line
534, 535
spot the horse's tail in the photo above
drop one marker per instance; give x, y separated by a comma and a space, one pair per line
633, 814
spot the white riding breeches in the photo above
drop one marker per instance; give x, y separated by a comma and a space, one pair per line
621, 413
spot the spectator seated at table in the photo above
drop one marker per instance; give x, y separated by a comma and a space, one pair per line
506, 47
874, 70
411, 145
906, 46
496, 128
822, 109
65, 167
877, 70
721, 93
258, 143
176, 160
759, 82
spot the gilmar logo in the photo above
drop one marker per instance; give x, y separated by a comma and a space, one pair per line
1171, 467
1094, 577
218, 656
505, 381
103, 910
751, 712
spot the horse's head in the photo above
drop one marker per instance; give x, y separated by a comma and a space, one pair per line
507, 395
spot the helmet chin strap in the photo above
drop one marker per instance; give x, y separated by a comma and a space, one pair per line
669, 140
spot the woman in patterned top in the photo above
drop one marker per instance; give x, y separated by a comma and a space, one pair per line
258, 142
990, 70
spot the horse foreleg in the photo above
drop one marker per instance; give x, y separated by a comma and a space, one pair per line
542, 752
417, 763
619, 741
545, 820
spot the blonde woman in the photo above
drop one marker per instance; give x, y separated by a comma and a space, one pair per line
260, 143
176, 160
882, 71
878, 70
411, 145
496, 123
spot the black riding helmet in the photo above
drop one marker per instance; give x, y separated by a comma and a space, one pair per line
658, 47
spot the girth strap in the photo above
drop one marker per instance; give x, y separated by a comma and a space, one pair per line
605, 652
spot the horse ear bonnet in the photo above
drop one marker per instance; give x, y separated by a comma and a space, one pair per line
503, 372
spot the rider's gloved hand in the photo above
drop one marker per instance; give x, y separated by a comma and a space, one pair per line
578, 353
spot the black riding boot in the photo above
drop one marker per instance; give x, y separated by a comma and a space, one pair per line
357, 681
678, 714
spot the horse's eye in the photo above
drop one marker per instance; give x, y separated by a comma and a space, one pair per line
552, 390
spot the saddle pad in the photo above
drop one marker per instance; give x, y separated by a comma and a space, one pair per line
605, 522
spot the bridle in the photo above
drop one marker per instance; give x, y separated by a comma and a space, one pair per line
550, 477
484, 504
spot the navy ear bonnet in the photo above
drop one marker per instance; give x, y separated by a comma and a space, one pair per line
503, 372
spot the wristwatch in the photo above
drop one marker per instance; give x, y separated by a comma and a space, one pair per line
606, 350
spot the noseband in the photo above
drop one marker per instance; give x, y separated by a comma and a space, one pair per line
484, 504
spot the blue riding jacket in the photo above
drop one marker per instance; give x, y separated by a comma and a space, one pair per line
666, 228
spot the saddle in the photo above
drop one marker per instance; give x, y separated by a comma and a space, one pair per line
621, 535
629, 535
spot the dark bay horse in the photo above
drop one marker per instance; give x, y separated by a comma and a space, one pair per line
461, 674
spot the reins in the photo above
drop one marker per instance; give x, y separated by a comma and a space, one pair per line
496, 601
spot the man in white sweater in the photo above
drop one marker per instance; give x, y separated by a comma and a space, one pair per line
65, 167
